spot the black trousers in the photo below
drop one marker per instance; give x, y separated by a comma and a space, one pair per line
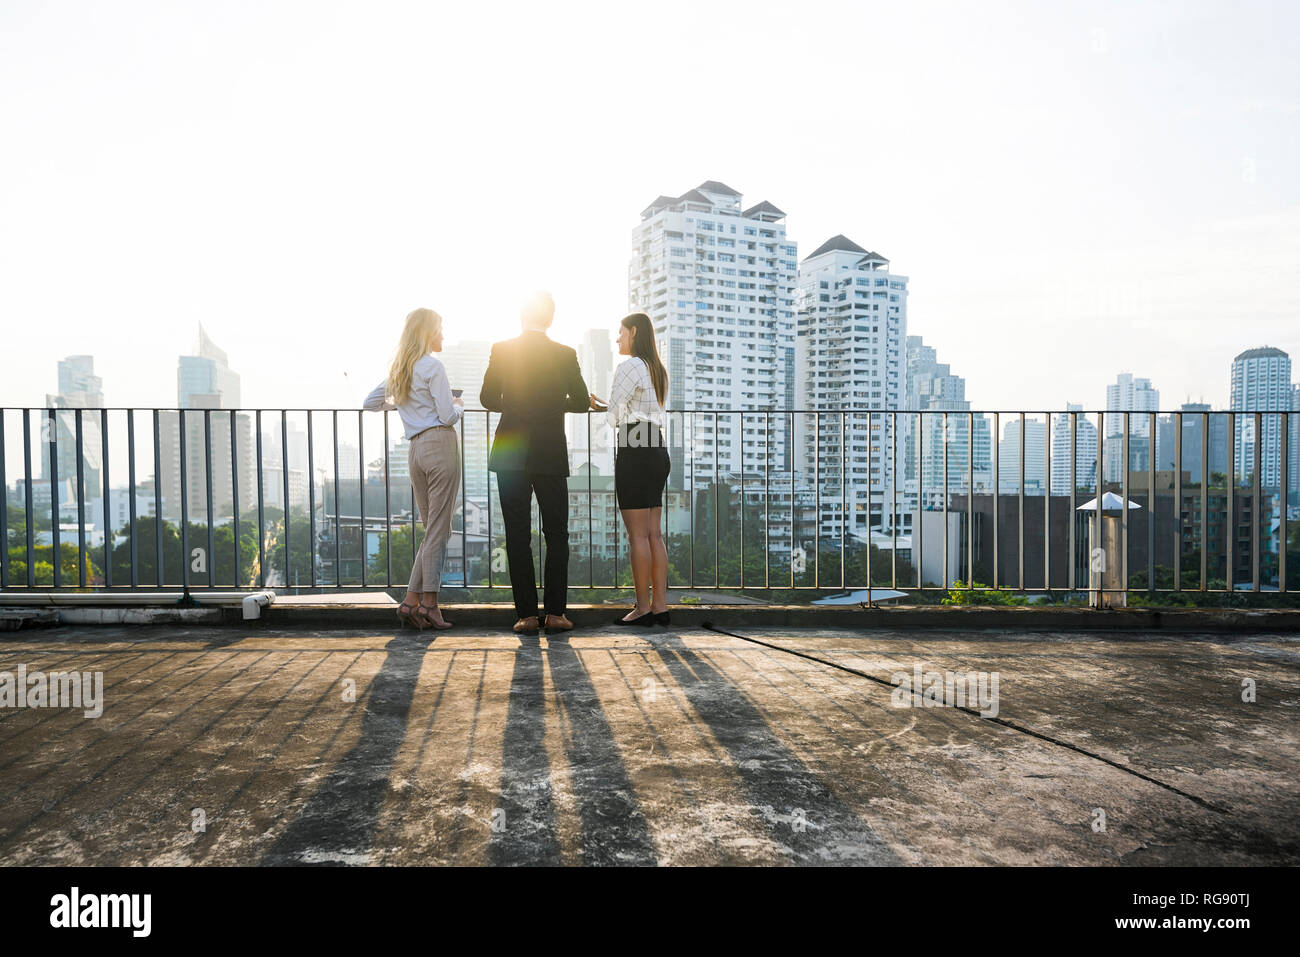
552, 491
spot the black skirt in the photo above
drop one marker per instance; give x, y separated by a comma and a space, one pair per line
640, 473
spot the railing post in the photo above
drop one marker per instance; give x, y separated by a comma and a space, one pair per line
1151, 508
4, 508
1123, 515
261, 509
27, 498
157, 498
338, 521
311, 501
81, 502
207, 481
1178, 501
108, 496
234, 493
918, 521
56, 553
946, 489
893, 488
1205, 499
1230, 546
1074, 453
388, 509
284, 481
1283, 492
185, 513
1020, 520
996, 454
1257, 507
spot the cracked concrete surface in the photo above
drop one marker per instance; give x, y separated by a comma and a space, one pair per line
663, 746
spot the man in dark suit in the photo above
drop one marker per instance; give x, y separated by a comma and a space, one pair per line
533, 381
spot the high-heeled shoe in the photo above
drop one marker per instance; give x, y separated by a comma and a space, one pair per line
405, 614
661, 617
425, 620
645, 620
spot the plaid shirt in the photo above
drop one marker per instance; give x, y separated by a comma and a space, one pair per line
632, 397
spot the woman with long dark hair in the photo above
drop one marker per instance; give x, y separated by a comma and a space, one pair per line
418, 389
641, 463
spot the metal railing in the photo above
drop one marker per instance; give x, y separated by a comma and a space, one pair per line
758, 499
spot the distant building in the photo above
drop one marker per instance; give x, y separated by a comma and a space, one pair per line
205, 381
79, 388
596, 361
851, 319
1085, 451
466, 362
717, 280
1128, 395
1035, 453
1261, 382
931, 386
1195, 415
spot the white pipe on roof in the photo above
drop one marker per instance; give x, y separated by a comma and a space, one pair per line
251, 602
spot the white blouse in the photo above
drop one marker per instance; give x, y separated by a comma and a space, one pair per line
632, 396
429, 403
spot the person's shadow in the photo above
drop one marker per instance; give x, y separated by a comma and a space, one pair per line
338, 823
802, 812
613, 827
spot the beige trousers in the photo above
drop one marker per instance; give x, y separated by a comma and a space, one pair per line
435, 481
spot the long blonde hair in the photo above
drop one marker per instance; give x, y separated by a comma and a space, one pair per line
422, 326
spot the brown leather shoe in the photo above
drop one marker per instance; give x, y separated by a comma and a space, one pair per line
558, 623
527, 626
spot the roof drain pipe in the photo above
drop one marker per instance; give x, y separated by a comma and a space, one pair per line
255, 602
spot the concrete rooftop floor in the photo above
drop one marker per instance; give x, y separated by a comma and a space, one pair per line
666, 746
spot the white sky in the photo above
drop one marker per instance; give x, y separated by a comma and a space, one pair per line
1074, 190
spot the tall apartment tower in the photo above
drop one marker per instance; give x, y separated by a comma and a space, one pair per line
851, 323
717, 280
466, 362
206, 381
932, 387
79, 388
1085, 450
1261, 382
1129, 395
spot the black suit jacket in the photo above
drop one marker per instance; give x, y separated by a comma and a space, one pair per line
532, 381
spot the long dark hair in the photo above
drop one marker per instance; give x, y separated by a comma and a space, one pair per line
643, 347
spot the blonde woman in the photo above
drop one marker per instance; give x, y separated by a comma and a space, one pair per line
418, 389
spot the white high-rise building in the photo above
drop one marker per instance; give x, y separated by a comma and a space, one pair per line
1129, 395
1035, 453
851, 321
1261, 382
1085, 450
717, 280
596, 362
